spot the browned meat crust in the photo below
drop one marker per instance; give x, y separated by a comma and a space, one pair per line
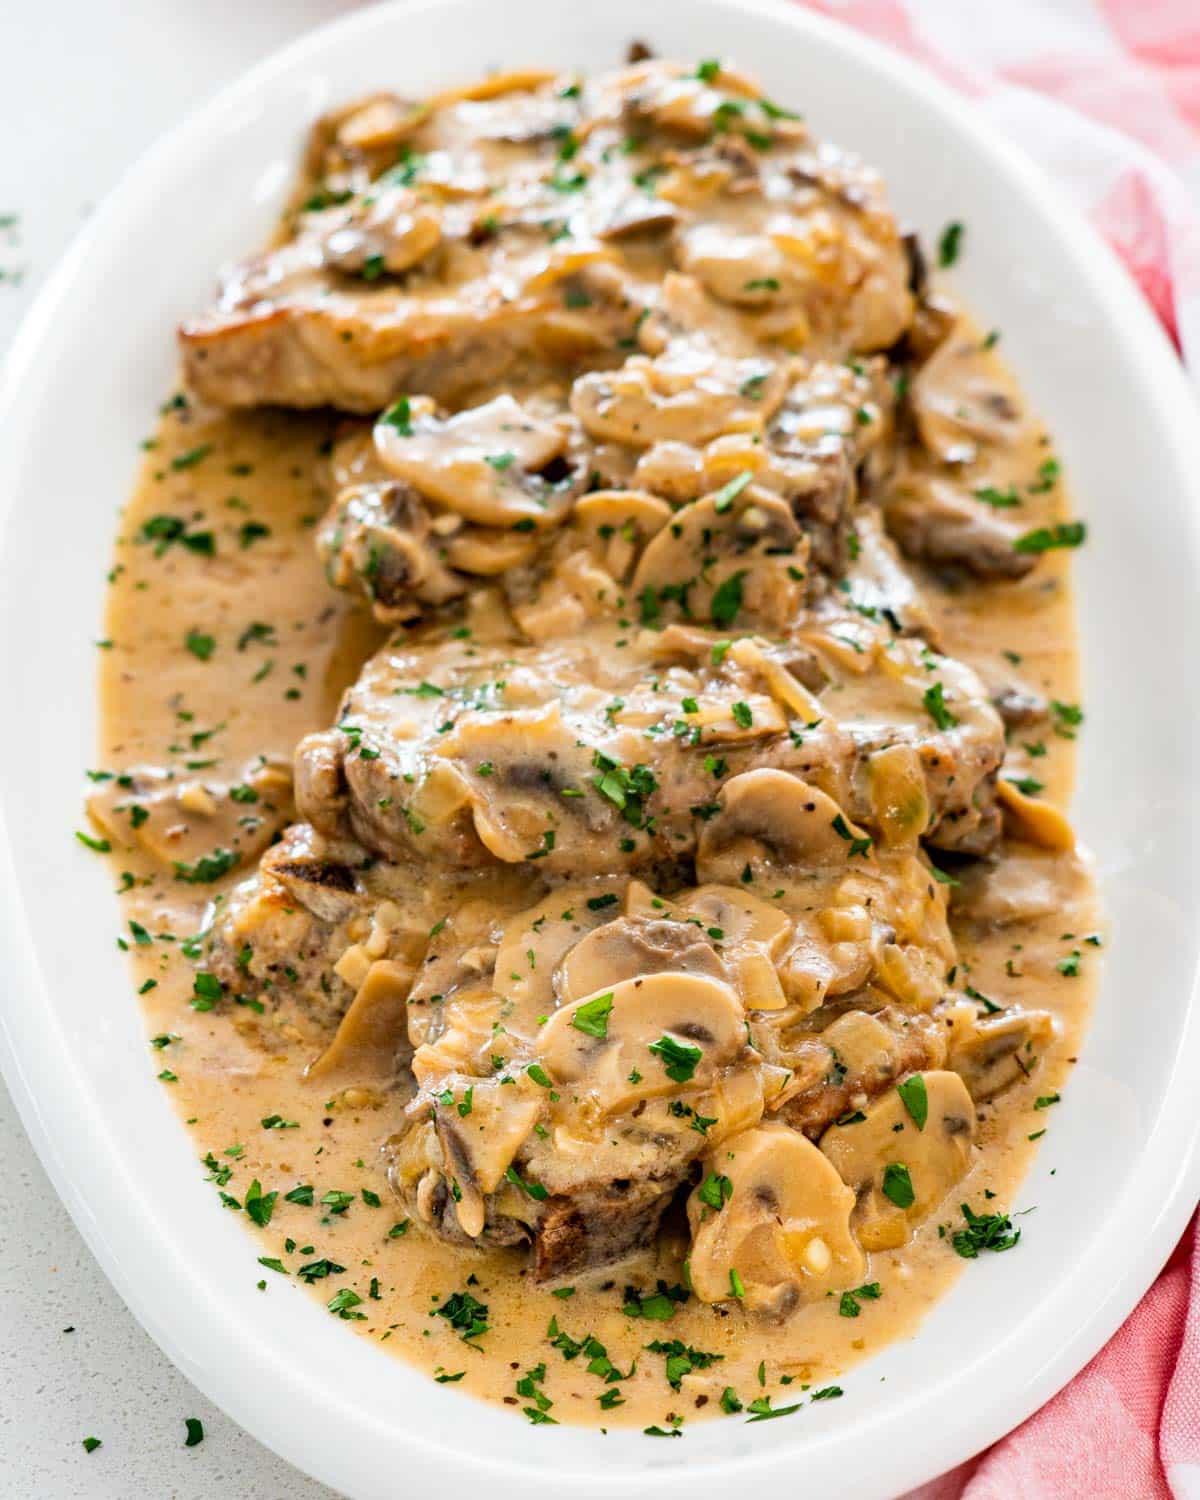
595, 1229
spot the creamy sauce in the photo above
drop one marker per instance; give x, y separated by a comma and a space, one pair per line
229, 649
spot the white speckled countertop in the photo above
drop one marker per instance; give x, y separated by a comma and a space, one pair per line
88, 85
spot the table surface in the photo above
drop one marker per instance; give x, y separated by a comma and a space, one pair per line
89, 85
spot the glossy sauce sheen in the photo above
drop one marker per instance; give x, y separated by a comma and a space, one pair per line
224, 650
226, 1084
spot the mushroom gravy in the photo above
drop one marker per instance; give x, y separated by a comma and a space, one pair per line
402, 968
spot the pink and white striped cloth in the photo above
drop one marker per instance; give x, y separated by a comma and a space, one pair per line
1105, 94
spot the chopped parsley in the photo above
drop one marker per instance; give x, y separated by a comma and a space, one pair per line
679, 1058
200, 645
1047, 538
915, 1098
207, 868
535, 1190
897, 1185
725, 496
465, 1314
592, 1017
727, 599
715, 1191
848, 1303
983, 1232
934, 699
950, 243
399, 417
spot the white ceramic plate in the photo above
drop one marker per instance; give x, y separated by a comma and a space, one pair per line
82, 385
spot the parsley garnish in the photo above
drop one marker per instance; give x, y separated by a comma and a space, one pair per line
915, 1098
679, 1058
934, 699
950, 243
592, 1017
897, 1185
1047, 538
848, 1306
466, 1315
983, 1232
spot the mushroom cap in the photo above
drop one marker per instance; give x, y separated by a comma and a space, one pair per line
482, 463
769, 817
636, 945
645, 1024
480, 1145
934, 1156
960, 409
615, 509
783, 1228
721, 931
751, 537
617, 524
487, 552
750, 935
990, 1052
510, 807
533, 946
688, 395
393, 227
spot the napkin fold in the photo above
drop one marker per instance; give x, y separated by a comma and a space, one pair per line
1105, 96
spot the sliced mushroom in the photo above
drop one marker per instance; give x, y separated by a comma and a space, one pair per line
535, 942
781, 1235
637, 945
962, 404
771, 818
372, 1033
618, 523
899, 1169
645, 1038
726, 557
487, 552
668, 98
749, 934
481, 1125
743, 268
389, 230
489, 463
1019, 706
638, 213
358, 141
181, 819
1026, 884
688, 397
936, 521
378, 121
377, 539
528, 757
675, 471
991, 1052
